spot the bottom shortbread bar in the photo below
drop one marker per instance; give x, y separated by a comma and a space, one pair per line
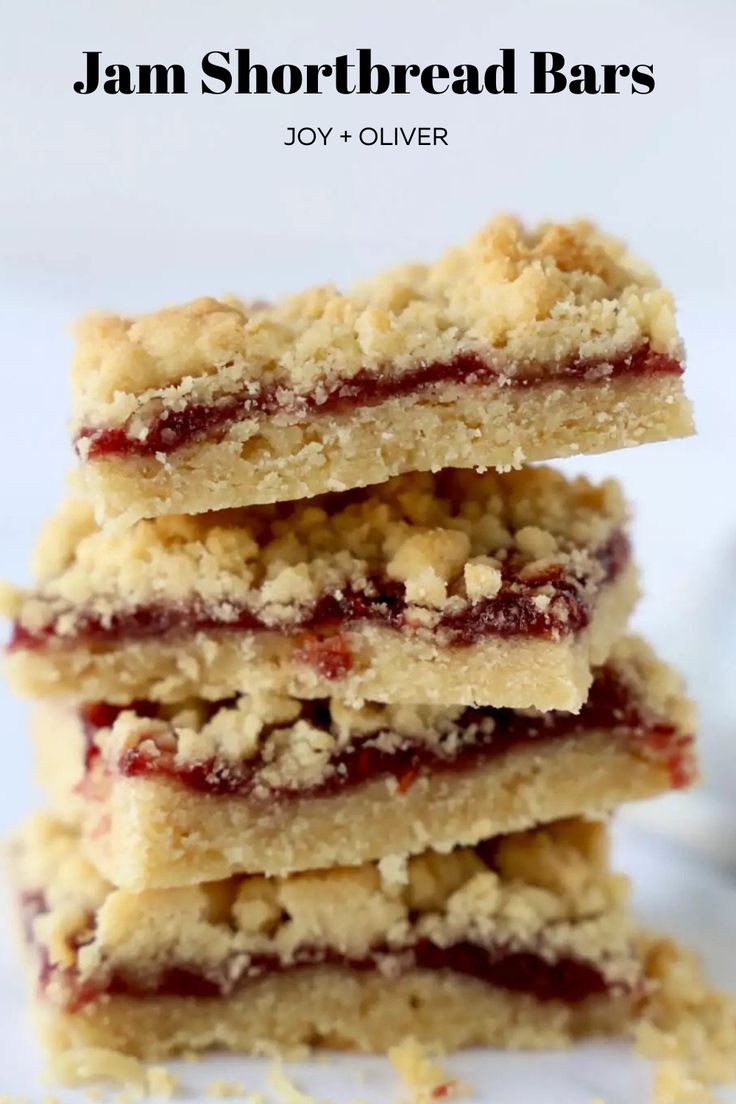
523, 941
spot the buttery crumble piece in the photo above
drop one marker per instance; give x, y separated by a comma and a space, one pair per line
674, 1085
685, 1021
421, 1074
223, 1089
285, 1089
161, 1082
131, 1095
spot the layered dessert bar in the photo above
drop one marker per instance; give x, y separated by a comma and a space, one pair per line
500, 589
174, 795
522, 941
517, 346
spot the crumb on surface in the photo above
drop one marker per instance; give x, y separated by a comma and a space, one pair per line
221, 1089
688, 1026
129, 1095
686, 1022
286, 1091
161, 1082
421, 1074
674, 1085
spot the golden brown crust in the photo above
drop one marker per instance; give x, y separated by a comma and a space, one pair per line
533, 297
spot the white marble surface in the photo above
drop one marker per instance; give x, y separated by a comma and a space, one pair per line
680, 890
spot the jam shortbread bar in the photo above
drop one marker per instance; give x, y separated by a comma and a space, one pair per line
501, 589
522, 941
182, 794
518, 346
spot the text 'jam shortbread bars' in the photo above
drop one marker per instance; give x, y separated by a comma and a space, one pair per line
174, 795
524, 940
498, 589
518, 346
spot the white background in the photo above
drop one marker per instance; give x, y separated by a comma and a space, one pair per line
130, 202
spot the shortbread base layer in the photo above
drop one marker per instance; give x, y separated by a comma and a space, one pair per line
274, 460
386, 665
146, 833
332, 1008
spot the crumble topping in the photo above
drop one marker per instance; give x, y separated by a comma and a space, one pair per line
529, 297
449, 538
686, 1024
562, 901
299, 745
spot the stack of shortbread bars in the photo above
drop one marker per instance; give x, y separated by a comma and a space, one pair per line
334, 693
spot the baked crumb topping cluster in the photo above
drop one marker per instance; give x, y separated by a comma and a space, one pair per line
297, 745
448, 540
290, 746
549, 889
527, 298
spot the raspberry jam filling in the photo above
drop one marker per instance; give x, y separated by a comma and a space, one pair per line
511, 612
172, 429
566, 979
479, 735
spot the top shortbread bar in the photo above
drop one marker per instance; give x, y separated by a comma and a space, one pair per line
517, 346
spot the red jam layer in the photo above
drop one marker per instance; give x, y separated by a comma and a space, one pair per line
611, 706
567, 979
512, 612
172, 429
